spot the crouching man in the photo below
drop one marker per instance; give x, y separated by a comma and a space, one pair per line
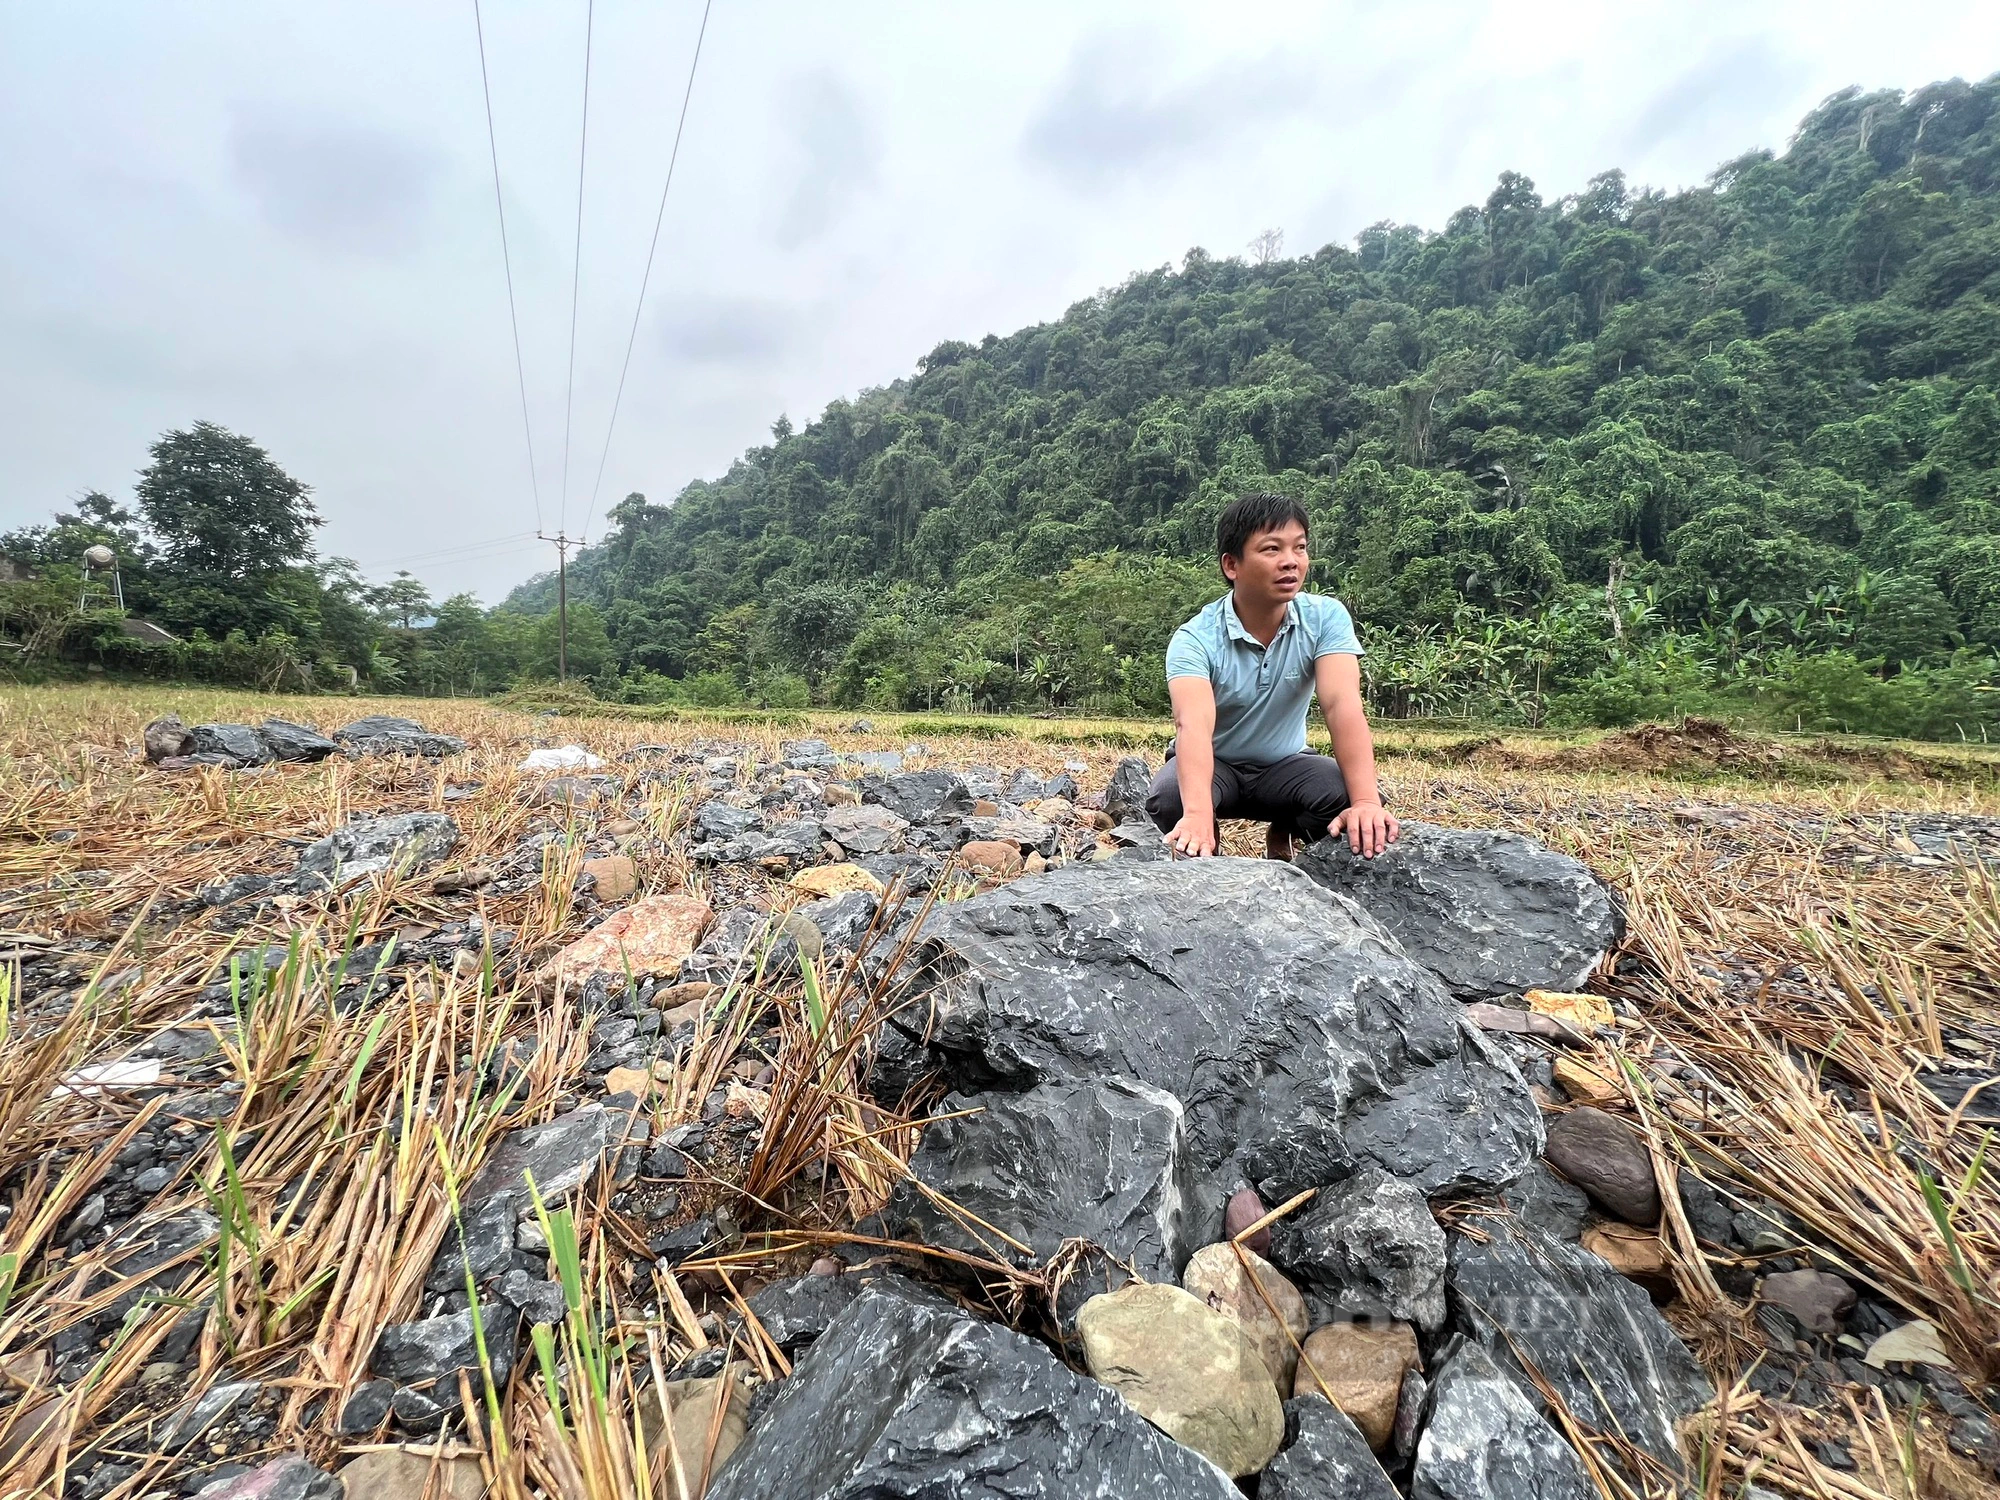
1240, 675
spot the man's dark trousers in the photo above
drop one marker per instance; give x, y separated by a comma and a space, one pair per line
1299, 795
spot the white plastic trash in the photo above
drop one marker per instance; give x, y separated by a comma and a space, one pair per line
562, 758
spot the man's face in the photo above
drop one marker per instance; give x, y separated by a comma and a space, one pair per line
1273, 564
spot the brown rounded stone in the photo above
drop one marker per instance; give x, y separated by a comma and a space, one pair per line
1244, 1209
1362, 1367
991, 859
1215, 1275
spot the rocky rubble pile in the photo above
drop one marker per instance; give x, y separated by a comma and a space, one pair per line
1141, 1058
174, 746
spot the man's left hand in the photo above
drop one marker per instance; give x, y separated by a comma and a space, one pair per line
1368, 827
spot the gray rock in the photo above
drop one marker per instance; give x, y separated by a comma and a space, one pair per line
368, 845
920, 796
154, 1258
537, 1301
877, 762
1487, 1441
1023, 787
1595, 1337
1605, 1157
1063, 785
560, 1156
572, 791
1139, 841
1301, 1041
1125, 797
1102, 1159
236, 888
1015, 828
165, 738
1365, 1247
808, 755
151, 1180
903, 1400
866, 829
215, 1403
1491, 914
1324, 1458
432, 1349
288, 1477
1820, 1300
385, 734
289, 741
1711, 1219
368, 1408
718, 820
237, 741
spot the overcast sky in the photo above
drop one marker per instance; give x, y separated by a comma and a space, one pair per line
281, 218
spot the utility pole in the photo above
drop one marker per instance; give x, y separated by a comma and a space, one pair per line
563, 543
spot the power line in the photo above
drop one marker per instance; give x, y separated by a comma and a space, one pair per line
576, 266
507, 260
452, 554
644, 280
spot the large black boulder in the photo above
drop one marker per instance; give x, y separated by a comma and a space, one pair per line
1103, 1160
901, 1397
289, 741
386, 734
1325, 1457
239, 742
1594, 1336
1491, 914
1301, 1041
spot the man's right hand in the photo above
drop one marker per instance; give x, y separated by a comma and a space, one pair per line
1193, 837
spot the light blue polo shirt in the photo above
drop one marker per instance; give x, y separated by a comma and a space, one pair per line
1261, 692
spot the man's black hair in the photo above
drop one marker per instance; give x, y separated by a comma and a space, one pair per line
1249, 514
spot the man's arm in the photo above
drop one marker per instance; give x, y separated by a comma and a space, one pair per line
1368, 827
1194, 763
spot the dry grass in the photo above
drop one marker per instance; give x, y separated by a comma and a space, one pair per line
1769, 958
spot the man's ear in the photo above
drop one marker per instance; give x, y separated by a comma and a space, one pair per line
1231, 564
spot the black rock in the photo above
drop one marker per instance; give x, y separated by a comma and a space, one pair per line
901, 1398
561, 1156
1139, 841
1595, 1336
1302, 1043
239, 742
718, 820
843, 921
1103, 1160
1125, 797
189, 1422
367, 1409
423, 1411
1366, 1247
432, 1349
483, 1239
919, 796
1491, 914
288, 741
676, 1245
385, 734
537, 1301
917, 872
1544, 1199
236, 888
368, 845
1711, 1219
1062, 785
1325, 1457
797, 1311
1487, 1440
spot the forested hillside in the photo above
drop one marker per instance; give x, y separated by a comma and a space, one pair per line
1612, 454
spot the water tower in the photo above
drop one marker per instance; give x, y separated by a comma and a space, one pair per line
102, 588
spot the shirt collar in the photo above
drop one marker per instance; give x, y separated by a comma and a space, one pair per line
1233, 622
